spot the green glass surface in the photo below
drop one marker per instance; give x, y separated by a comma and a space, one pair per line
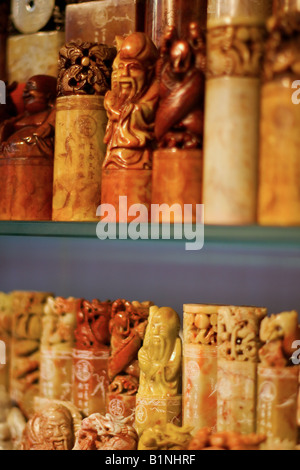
244, 235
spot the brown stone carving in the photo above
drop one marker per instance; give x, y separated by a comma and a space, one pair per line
50, 429
31, 134
26, 154
179, 13
85, 68
131, 104
177, 165
179, 118
127, 327
92, 329
282, 54
106, 433
235, 51
90, 356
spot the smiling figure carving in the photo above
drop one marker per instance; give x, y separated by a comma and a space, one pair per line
31, 134
51, 429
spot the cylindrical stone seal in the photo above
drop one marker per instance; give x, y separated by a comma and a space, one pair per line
200, 325
79, 154
177, 179
90, 380
279, 166
235, 39
277, 406
238, 346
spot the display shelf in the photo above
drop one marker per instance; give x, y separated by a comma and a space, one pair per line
248, 235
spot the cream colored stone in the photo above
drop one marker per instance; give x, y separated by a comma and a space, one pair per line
33, 54
201, 308
236, 396
231, 140
258, 10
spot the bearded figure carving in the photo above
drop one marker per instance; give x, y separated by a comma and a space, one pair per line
131, 104
51, 429
160, 356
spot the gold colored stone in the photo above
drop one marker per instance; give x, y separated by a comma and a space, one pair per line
165, 437
79, 153
85, 61
160, 356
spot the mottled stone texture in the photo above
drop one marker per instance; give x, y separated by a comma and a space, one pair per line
33, 54
79, 153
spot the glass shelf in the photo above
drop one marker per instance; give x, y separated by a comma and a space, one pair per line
248, 235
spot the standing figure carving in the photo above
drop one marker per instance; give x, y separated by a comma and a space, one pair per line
160, 356
131, 104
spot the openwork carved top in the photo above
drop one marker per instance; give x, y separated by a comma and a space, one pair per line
59, 322
28, 308
235, 51
282, 56
85, 69
161, 354
200, 328
180, 72
238, 333
92, 330
131, 104
106, 433
167, 437
278, 333
127, 326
